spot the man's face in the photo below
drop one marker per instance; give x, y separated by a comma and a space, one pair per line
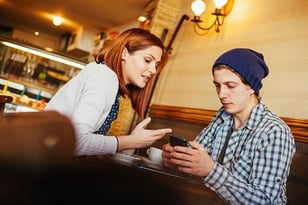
233, 94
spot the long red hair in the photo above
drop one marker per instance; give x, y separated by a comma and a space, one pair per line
133, 39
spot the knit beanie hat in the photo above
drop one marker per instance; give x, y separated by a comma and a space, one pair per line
248, 63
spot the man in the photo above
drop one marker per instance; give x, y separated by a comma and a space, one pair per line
254, 166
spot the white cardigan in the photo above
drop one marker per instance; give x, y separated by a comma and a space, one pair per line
87, 100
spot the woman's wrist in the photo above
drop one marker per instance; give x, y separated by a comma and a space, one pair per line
117, 138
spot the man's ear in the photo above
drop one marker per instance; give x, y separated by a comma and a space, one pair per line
124, 53
252, 91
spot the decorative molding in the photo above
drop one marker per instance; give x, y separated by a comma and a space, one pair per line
203, 117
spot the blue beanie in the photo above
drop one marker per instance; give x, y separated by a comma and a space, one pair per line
248, 63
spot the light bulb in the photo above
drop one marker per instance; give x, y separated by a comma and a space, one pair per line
142, 18
219, 3
57, 21
198, 7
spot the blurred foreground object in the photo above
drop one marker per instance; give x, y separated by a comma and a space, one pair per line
36, 139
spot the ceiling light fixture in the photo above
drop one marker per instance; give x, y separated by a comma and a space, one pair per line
57, 21
142, 18
44, 54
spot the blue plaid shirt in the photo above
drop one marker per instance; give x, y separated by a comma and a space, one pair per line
257, 160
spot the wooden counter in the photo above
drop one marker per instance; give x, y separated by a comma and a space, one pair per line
169, 187
99, 181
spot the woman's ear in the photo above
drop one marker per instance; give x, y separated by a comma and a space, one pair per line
124, 53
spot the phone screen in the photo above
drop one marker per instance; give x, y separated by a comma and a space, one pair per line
178, 141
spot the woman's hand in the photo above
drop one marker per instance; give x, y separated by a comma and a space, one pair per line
142, 137
194, 160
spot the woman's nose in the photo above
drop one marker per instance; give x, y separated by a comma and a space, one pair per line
152, 68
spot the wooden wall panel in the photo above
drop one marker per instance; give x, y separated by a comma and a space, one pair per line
198, 116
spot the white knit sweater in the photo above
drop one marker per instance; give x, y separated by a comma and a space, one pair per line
87, 100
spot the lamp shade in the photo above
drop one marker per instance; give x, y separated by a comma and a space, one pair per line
198, 7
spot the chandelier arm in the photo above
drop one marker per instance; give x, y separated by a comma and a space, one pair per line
220, 23
205, 28
199, 33
217, 27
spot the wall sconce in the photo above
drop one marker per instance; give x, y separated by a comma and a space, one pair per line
223, 8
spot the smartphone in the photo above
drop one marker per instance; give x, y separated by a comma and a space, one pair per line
178, 141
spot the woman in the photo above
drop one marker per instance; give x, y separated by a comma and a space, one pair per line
124, 68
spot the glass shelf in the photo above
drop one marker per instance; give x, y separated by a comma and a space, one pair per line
28, 70
32, 72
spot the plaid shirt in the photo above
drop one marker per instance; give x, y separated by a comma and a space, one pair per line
257, 160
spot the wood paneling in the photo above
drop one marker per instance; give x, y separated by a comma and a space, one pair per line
203, 117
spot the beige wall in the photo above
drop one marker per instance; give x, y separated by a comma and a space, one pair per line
276, 28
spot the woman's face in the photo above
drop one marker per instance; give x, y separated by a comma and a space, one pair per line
141, 65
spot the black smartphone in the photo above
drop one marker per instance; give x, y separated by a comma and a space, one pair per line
178, 141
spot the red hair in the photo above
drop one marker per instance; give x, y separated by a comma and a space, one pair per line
133, 40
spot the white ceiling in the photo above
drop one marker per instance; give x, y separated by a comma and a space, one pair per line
97, 14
